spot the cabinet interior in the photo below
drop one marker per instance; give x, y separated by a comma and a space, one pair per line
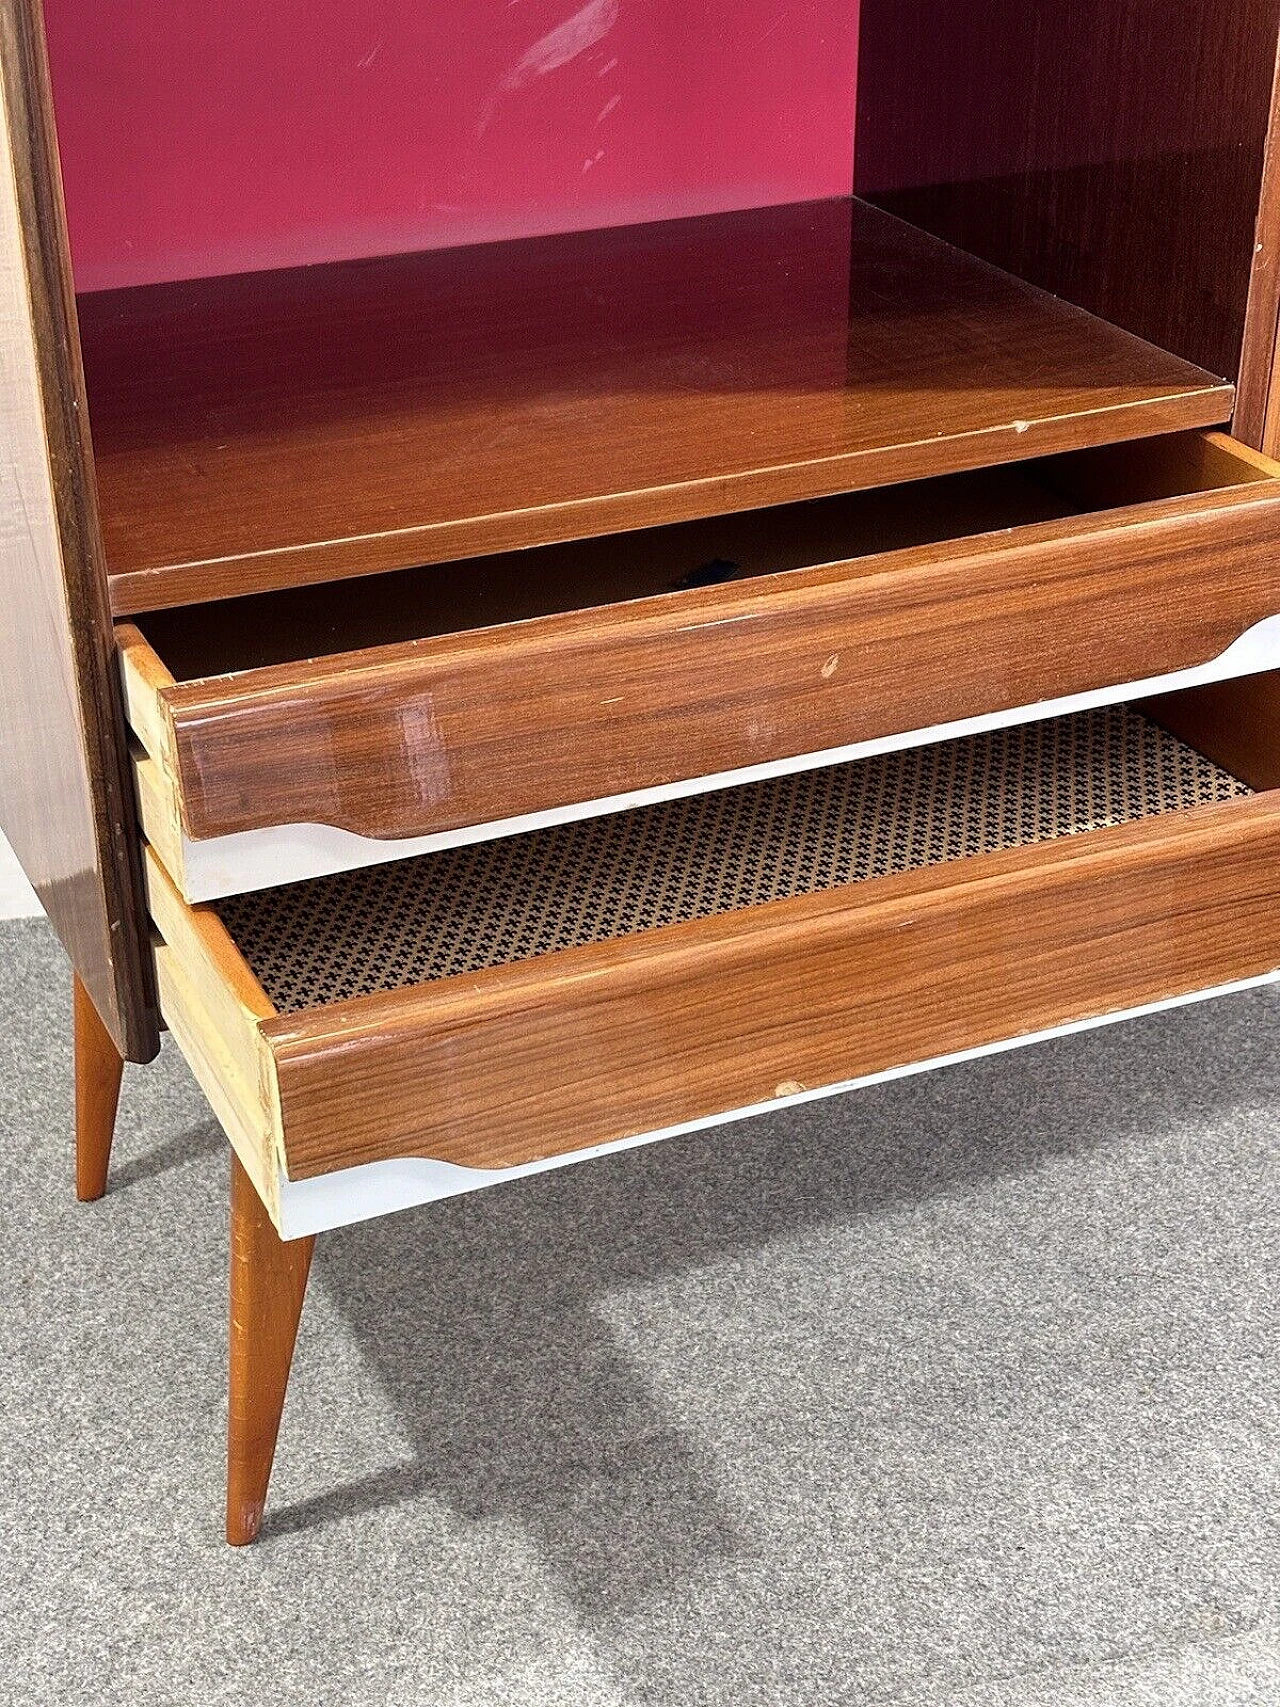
1051, 249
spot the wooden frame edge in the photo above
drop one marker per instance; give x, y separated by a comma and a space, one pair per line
123, 985
215, 1008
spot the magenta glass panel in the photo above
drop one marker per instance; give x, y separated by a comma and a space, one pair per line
214, 136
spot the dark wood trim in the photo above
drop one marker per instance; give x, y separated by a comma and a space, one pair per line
65, 799
1109, 153
1257, 417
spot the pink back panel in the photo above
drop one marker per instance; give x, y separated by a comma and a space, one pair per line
214, 136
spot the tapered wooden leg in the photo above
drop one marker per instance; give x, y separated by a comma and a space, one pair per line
99, 1069
268, 1284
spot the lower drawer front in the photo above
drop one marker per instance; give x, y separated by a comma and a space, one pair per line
320, 730
556, 991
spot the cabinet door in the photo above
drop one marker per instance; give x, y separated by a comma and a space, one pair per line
64, 801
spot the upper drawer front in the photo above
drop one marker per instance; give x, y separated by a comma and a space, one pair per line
1165, 557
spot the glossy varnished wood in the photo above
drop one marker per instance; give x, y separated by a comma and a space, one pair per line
268, 1286
673, 1025
424, 736
1236, 723
291, 427
214, 1005
1111, 153
440, 599
590, 1044
64, 801
1257, 415
99, 1069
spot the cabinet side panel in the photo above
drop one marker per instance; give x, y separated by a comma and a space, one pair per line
1255, 420
1110, 154
63, 798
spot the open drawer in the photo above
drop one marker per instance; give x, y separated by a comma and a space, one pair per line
490, 1007
315, 730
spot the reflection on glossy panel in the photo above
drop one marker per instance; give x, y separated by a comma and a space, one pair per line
63, 801
334, 421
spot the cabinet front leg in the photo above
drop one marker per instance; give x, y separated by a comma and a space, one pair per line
268, 1284
99, 1067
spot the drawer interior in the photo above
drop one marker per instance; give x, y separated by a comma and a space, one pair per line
232, 635
498, 903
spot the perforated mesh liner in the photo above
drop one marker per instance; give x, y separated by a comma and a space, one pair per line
390, 926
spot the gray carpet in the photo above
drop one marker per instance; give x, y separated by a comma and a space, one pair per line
959, 1391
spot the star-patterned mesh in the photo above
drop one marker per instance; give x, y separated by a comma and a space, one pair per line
390, 926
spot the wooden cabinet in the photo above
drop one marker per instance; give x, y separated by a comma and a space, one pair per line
497, 703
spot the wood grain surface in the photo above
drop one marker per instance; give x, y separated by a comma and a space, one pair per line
268, 1288
425, 736
213, 1005
1110, 153
1257, 415
280, 428
598, 1043
99, 1069
64, 800
1234, 723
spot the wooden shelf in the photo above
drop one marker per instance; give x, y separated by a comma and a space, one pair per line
269, 430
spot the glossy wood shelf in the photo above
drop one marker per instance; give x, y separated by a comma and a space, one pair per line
270, 430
